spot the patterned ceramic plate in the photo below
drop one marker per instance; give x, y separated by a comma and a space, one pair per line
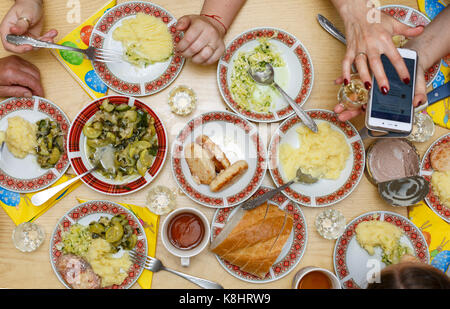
124, 77
292, 251
239, 140
92, 211
412, 17
25, 175
353, 265
81, 164
426, 170
296, 77
325, 192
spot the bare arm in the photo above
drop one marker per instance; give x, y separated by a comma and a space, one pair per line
431, 46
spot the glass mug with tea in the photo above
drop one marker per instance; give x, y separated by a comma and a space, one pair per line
315, 278
185, 233
353, 95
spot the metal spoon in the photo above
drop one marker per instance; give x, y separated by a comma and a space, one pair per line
300, 178
266, 77
103, 158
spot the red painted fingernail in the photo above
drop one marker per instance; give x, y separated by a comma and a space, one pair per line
345, 82
384, 90
367, 85
406, 80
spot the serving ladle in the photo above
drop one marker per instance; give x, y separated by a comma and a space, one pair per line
300, 178
267, 77
103, 157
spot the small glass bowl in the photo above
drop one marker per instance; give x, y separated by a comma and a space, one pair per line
28, 236
161, 200
423, 128
354, 95
330, 224
182, 100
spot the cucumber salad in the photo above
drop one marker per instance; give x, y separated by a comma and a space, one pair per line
245, 91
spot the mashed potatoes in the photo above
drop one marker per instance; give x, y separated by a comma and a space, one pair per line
111, 270
145, 39
322, 155
441, 186
371, 234
20, 137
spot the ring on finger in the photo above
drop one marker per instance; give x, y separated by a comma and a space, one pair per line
361, 53
25, 19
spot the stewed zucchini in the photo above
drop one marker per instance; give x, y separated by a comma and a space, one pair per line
116, 230
50, 143
132, 134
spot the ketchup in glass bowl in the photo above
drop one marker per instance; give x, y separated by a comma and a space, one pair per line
185, 233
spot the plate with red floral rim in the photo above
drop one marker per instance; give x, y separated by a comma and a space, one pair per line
76, 150
412, 17
290, 255
84, 214
25, 175
239, 140
353, 265
426, 170
297, 75
123, 77
325, 192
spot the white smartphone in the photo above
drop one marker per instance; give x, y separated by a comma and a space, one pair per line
393, 111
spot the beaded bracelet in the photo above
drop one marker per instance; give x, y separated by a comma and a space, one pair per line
216, 18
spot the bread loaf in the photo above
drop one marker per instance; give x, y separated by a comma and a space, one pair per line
228, 176
217, 155
253, 239
200, 164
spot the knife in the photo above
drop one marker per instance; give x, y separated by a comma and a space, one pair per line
331, 29
255, 202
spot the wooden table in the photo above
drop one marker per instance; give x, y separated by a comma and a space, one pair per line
33, 270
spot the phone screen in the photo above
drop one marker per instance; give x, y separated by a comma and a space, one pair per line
396, 105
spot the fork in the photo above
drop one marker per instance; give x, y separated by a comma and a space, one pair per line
155, 265
92, 53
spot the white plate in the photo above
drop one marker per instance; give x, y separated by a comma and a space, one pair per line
90, 211
353, 265
239, 140
296, 77
426, 170
290, 255
325, 192
25, 175
124, 77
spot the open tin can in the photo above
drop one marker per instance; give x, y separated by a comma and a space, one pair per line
393, 165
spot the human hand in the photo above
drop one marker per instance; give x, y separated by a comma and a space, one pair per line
420, 91
368, 40
19, 78
203, 39
24, 18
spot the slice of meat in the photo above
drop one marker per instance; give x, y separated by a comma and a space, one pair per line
77, 273
440, 157
228, 176
200, 164
217, 155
